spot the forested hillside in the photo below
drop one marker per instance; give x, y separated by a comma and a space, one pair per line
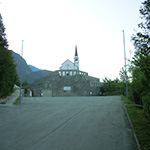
20, 61
34, 69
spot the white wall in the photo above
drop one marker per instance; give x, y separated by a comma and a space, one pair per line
68, 65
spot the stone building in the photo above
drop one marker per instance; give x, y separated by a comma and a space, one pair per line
68, 81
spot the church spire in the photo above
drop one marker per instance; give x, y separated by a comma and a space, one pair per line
76, 53
76, 58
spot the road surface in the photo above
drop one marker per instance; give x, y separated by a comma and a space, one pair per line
66, 123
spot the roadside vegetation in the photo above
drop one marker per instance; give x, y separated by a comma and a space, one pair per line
138, 67
138, 106
3, 103
16, 101
140, 123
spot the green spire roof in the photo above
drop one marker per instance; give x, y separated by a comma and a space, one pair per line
76, 53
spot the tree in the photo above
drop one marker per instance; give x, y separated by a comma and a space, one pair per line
8, 75
3, 40
112, 87
141, 60
141, 41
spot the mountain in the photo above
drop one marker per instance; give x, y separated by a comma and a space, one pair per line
25, 69
34, 69
28, 73
36, 75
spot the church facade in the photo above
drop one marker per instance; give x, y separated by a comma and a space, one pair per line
67, 81
68, 65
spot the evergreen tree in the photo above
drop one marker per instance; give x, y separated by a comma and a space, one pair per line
8, 75
3, 40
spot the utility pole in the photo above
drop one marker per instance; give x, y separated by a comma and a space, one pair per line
125, 67
21, 73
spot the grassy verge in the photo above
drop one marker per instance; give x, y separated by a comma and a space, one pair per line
16, 101
140, 123
3, 103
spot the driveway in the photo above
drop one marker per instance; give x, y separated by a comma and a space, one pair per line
66, 123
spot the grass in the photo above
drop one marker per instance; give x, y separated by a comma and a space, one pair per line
16, 101
3, 103
140, 123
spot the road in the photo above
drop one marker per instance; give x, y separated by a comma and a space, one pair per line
66, 123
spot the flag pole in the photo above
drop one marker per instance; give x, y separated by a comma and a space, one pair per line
125, 67
21, 73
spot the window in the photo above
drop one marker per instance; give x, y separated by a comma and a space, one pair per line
63, 73
46, 85
70, 73
50, 85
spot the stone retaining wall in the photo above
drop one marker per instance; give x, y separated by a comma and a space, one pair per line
66, 83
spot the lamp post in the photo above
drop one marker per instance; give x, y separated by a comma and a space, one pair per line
21, 73
125, 67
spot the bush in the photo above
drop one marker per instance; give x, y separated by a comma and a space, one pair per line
146, 104
113, 93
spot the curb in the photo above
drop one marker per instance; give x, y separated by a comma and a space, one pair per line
134, 134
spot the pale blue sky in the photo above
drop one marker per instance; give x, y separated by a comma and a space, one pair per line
51, 29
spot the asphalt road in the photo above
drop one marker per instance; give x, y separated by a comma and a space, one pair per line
66, 123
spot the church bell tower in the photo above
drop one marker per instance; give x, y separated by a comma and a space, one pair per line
76, 58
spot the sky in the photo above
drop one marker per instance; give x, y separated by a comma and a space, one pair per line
50, 29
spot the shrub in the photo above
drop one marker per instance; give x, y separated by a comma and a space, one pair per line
146, 104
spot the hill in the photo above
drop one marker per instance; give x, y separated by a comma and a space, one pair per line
35, 75
34, 69
29, 72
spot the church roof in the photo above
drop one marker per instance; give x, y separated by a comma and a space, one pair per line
67, 61
76, 53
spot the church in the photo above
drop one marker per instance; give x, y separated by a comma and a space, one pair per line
67, 81
68, 65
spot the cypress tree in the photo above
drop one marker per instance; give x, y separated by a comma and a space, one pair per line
3, 40
8, 75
